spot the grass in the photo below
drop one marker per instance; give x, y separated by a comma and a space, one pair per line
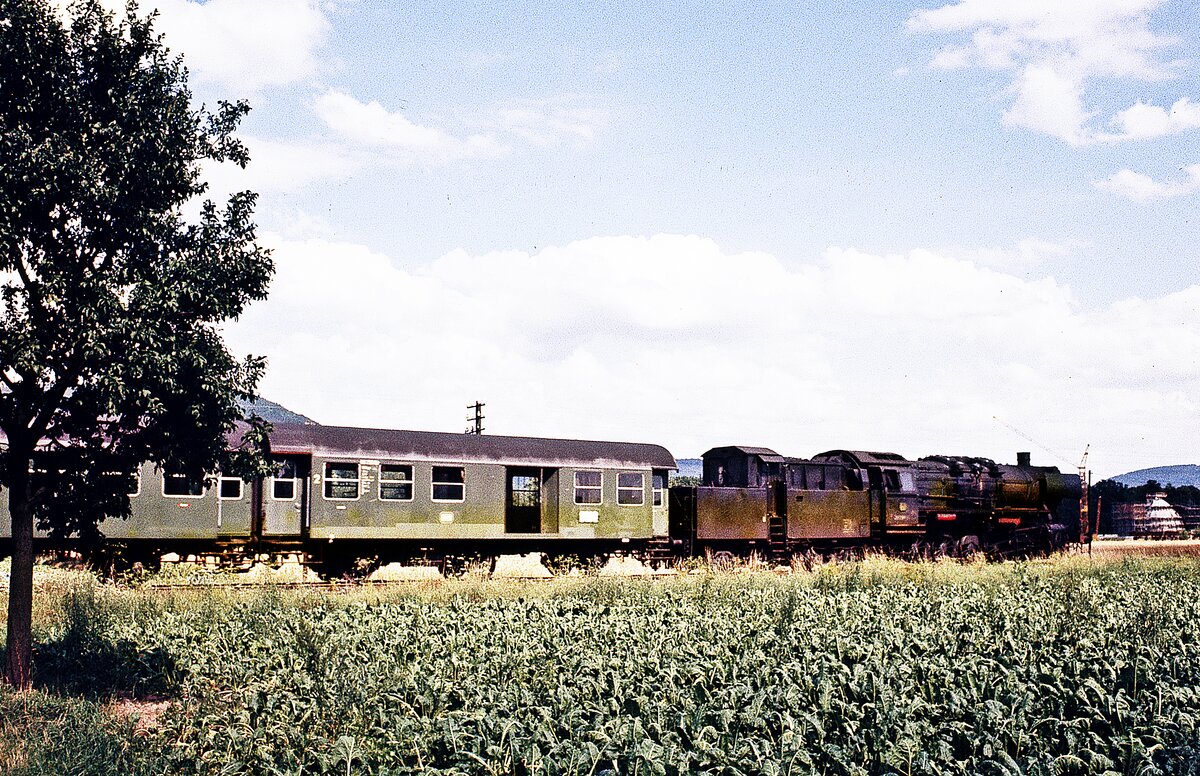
1067, 665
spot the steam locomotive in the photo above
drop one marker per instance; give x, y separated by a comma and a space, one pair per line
350, 498
845, 501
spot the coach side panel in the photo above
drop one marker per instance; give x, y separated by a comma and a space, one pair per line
379, 499
164, 506
371, 499
610, 503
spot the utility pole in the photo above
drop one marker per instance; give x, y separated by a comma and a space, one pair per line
1084, 518
475, 420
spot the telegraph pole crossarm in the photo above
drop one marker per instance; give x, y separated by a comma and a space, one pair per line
476, 420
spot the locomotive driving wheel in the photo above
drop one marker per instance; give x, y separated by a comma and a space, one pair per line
969, 548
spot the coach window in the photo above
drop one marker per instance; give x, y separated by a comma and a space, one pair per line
175, 484
133, 483
341, 481
631, 488
449, 483
130, 483
283, 481
907, 484
588, 486
231, 488
659, 482
395, 482
893, 479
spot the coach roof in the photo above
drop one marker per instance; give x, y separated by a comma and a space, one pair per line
340, 441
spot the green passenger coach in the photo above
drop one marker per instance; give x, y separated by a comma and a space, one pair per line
400, 494
344, 497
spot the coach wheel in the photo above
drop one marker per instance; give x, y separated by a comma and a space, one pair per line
366, 566
556, 563
847, 555
562, 564
336, 567
969, 548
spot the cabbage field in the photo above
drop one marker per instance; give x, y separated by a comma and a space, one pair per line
879, 667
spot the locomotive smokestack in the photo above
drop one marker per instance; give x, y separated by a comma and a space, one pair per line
1023, 459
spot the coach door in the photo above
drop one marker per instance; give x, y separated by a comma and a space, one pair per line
285, 496
878, 500
523, 500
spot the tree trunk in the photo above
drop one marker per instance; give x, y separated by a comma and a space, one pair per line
19, 646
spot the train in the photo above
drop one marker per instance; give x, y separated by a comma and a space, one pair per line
345, 500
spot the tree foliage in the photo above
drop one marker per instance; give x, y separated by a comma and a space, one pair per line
111, 296
1105, 495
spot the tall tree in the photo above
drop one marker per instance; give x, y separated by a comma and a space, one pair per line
110, 296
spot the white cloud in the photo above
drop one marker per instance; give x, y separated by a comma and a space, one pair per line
1106, 37
1049, 102
671, 339
1028, 252
1149, 121
549, 123
361, 135
281, 166
1142, 188
371, 125
244, 45
1054, 51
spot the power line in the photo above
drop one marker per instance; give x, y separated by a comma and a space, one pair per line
1062, 458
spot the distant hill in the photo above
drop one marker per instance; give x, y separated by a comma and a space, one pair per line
274, 413
1183, 474
690, 467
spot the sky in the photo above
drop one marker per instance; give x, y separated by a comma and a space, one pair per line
942, 228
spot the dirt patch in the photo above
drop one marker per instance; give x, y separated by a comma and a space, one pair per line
144, 713
1146, 548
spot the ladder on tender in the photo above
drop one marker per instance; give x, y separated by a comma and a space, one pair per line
777, 541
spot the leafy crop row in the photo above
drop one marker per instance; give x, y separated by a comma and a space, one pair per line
1026, 668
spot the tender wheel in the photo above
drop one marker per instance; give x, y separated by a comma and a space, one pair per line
806, 559
723, 560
